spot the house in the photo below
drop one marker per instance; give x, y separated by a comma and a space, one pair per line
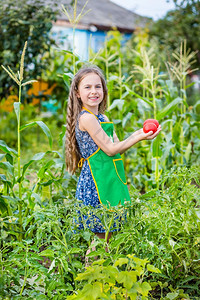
101, 16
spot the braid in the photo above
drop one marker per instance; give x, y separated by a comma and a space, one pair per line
72, 153
74, 107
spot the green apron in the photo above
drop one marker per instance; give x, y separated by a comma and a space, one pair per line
108, 173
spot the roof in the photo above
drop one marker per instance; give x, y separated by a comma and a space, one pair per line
104, 15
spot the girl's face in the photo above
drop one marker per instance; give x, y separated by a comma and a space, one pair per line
90, 90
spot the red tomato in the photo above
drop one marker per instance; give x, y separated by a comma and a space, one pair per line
152, 121
149, 127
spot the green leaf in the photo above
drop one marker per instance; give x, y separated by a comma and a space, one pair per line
2, 156
9, 158
74, 250
86, 235
96, 253
91, 274
127, 278
172, 296
39, 156
98, 262
45, 167
189, 85
156, 147
149, 194
117, 103
113, 78
126, 119
111, 273
47, 253
169, 108
65, 51
176, 133
138, 96
27, 126
2, 177
17, 109
36, 157
187, 152
7, 166
132, 295
4, 147
151, 268
3, 208
139, 261
44, 128
11, 199
77, 264
188, 278
5, 181
144, 288
49, 182
121, 261
92, 291
120, 238
67, 77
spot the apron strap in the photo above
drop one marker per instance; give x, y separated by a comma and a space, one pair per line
81, 161
90, 112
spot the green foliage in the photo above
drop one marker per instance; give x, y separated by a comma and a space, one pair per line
24, 21
167, 228
161, 226
181, 23
58, 63
114, 282
44, 263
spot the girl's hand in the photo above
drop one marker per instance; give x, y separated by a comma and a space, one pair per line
147, 136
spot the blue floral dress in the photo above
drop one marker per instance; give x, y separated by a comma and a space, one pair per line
86, 189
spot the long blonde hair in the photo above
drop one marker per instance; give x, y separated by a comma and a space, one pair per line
74, 107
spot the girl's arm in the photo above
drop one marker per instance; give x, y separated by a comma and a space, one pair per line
91, 125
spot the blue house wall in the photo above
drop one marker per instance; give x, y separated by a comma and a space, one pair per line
83, 39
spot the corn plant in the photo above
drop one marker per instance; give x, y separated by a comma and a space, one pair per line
9, 164
182, 66
74, 20
108, 58
19, 80
149, 83
157, 93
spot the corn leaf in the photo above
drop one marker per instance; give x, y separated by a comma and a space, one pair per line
169, 108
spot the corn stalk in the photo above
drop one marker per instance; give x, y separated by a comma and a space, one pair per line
18, 78
74, 19
181, 68
150, 76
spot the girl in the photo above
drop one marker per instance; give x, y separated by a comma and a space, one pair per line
92, 143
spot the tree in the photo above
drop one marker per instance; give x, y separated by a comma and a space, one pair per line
21, 21
179, 24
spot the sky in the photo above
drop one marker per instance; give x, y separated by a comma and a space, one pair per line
149, 8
